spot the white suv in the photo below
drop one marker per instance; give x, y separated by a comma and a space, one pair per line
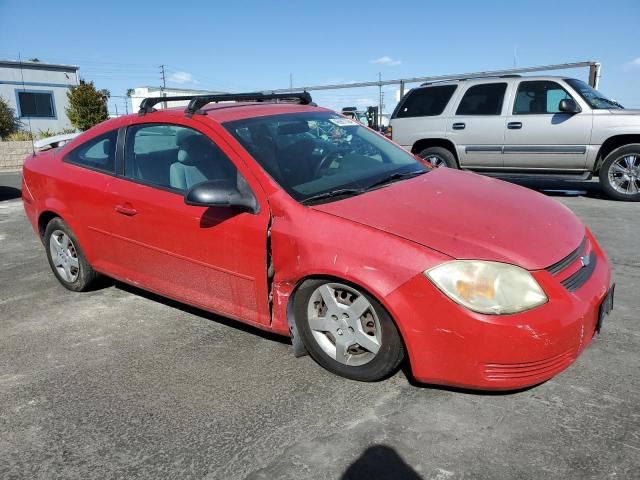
551, 127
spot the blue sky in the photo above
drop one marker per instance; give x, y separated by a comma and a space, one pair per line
253, 45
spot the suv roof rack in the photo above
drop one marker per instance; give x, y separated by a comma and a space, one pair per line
196, 102
511, 75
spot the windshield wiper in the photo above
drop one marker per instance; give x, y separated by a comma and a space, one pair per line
394, 178
333, 193
611, 102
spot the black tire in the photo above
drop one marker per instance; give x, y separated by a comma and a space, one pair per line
444, 155
83, 275
385, 362
608, 174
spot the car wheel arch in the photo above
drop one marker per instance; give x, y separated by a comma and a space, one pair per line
43, 220
611, 144
435, 142
299, 349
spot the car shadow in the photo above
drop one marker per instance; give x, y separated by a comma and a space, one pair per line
562, 188
380, 462
9, 193
183, 307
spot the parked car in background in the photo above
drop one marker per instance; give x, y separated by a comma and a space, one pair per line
549, 127
297, 220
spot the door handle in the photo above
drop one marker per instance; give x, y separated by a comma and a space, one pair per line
458, 126
128, 211
514, 125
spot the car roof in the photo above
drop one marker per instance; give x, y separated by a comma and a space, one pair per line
504, 78
230, 111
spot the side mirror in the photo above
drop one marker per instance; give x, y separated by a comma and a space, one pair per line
220, 193
568, 105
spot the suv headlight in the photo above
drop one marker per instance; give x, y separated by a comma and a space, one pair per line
488, 287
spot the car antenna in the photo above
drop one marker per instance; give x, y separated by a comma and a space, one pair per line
33, 147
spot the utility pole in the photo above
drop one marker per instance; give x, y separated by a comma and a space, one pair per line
164, 85
291, 81
381, 104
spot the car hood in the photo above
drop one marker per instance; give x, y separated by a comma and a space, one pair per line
468, 216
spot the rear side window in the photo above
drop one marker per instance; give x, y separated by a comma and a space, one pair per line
483, 99
539, 96
99, 153
426, 102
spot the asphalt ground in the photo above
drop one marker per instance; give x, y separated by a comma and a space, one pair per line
119, 383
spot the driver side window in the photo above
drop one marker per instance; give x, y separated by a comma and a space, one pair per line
539, 97
174, 157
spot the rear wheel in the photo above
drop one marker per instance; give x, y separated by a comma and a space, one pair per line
439, 157
65, 257
347, 331
620, 173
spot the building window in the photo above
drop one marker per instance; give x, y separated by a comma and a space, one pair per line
36, 104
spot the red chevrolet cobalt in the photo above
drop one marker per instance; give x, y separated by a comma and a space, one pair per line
297, 220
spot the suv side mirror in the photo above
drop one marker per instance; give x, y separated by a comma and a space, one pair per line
568, 105
220, 193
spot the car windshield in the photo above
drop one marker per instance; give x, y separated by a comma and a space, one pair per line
319, 156
592, 96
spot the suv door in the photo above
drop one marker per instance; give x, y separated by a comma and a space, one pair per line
214, 258
477, 128
538, 135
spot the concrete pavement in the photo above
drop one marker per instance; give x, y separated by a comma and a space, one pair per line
118, 383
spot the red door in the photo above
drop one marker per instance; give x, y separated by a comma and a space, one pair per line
214, 258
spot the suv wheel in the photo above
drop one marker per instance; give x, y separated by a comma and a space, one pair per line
65, 257
620, 173
439, 157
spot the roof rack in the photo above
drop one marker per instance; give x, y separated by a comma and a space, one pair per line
196, 102
469, 78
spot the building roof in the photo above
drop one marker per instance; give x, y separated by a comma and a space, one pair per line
38, 65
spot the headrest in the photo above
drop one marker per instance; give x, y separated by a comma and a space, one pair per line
106, 147
194, 149
182, 134
293, 128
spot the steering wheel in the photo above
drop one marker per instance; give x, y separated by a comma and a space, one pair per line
325, 162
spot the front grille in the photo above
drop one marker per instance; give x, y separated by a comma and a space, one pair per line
569, 259
579, 278
577, 274
518, 371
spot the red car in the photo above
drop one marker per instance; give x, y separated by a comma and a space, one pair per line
297, 220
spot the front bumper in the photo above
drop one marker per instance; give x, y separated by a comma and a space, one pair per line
450, 345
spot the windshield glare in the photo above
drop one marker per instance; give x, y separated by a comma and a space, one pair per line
314, 153
593, 97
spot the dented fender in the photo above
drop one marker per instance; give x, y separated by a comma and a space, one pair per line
307, 243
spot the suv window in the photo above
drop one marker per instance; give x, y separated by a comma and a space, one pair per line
539, 96
98, 153
426, 101
483, 99
174, 157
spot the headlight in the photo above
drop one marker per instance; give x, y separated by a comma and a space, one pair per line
488, 287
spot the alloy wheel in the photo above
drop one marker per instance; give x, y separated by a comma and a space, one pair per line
624, 174
436, 161
344, 324
64, 256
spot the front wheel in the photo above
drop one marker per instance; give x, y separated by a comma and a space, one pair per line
620, 173
347, 331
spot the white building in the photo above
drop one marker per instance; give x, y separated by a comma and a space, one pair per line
141, 93
38, 92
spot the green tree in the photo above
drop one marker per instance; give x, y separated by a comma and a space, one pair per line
9, 122
87, 106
